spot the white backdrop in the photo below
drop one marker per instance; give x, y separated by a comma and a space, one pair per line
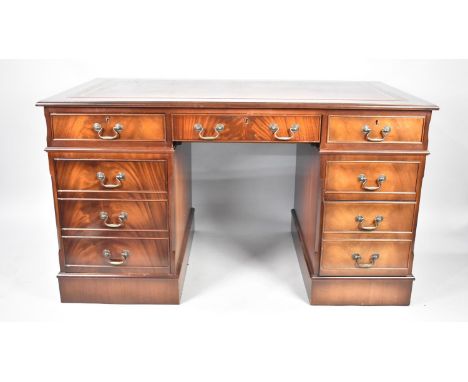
243, 276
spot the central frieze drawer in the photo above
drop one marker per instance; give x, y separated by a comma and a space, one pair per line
111, 175
365, 257
246, 128
368, 217
106, 129
116, 215
114, 255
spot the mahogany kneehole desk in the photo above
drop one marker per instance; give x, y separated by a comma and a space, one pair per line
120, 161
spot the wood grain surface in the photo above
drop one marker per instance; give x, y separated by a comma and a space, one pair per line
153, 153
361, 291
349, 290
247, 128
394, 256
141, 215
118, 290
140, 176
86, 254
341, 216
237, 93
135, 127
401, 178
307, 206
404, 129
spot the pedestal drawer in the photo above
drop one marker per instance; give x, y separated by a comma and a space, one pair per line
362, 179
116, 255
365, 258
368, 217
111, 175
115, 215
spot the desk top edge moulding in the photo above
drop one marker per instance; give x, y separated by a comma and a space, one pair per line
237, 93
120, 162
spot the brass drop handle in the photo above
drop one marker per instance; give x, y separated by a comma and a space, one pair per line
360, 219
198, 127
117, 130
357, 257
292, 130
384, 132
112, 261
102, 178
104, 216
363, 179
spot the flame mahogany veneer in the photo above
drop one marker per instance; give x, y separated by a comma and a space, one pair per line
120, 161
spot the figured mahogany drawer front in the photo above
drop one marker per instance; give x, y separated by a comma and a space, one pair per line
284, 128
367, 178
365, 258
202, 127
114, 255
115, 215
107, 175
226, 128
375, 129
368, 217
107, 129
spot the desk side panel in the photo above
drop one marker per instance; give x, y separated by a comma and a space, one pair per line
307, 201
182, 199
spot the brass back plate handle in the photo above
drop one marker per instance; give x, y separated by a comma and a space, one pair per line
292, 131
360, 219
113, 261
363, 179
384, 132
118, 128
198, 127
357, 257
104, 216
120, 177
